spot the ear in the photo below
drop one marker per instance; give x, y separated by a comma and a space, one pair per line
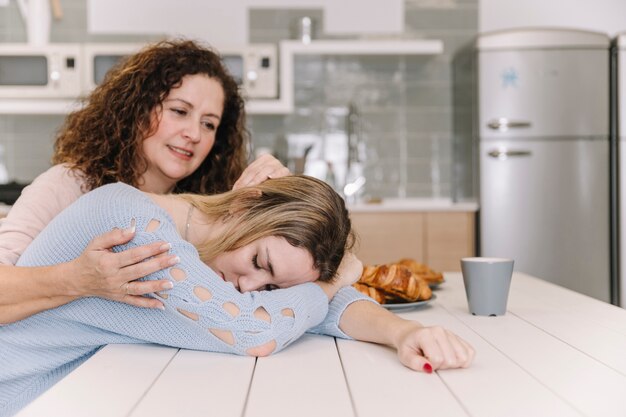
243, 195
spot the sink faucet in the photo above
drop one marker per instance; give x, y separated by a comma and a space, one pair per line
352, 131
355, 180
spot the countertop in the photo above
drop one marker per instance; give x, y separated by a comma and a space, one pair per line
414, 204
554, 353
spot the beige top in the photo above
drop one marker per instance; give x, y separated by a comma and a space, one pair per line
39, 203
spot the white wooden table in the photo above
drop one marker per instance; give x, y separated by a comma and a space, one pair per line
555, 353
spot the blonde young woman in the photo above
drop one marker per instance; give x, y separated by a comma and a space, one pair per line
289, 235
168, 119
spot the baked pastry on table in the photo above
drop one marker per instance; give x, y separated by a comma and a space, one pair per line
393, 283
371, 292
422, 270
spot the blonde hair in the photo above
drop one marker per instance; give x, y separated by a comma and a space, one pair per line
305, 211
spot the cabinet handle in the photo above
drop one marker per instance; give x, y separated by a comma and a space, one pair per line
504, 154
503, 124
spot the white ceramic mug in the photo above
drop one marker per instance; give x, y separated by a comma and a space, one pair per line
487, 282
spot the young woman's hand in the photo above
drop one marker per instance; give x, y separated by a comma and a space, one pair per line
261, 169
101, 272
348, 273
428, 349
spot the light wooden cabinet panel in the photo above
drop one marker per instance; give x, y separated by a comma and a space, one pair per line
449, 237
439, 239
387, 237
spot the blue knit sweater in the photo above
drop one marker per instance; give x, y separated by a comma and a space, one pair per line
38, 351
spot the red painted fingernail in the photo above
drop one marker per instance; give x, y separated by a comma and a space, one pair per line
427, 368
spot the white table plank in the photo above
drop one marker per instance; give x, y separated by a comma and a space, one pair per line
381, 386
529, 288
304, 380
592, 387
493, 386
199, 384
109, 384
599, 336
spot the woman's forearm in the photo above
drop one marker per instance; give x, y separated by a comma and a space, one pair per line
25, 291
369, 322
419, 348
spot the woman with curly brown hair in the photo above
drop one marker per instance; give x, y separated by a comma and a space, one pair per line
168, 119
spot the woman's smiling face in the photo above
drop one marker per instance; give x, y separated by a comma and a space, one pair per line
187, 126
269, 262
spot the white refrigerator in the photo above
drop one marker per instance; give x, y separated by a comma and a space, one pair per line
543, 143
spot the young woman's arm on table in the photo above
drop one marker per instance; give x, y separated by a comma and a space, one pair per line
25, 291
420, 348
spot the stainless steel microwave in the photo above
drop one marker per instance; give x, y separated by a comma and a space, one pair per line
255, 67
51, 71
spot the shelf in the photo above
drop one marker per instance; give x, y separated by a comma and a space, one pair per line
267, 107
38, 106
364, 47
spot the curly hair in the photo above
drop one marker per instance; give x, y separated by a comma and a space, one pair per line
103, 140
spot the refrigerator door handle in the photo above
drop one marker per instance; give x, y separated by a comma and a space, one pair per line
505, 154
502, 124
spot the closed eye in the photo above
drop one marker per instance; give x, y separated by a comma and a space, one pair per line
255, 262
270, 287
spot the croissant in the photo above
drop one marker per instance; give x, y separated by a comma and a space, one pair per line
371, 292
422, 270
396, 281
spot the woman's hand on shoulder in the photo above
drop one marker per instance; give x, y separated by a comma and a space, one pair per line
433, 348
100, 272
348, 273
261, 169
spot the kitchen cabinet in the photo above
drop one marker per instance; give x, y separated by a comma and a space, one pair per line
230, 20
438, 238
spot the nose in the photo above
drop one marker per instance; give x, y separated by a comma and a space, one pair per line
191, 132
247, 283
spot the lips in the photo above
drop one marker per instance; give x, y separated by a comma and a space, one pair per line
180, 152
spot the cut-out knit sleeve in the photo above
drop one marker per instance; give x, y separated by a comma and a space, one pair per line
225, 320
338, 305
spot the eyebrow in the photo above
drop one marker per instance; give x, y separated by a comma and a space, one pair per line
191, 105
269, 262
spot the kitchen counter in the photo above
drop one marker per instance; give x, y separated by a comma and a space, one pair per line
555, 353
413, 205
